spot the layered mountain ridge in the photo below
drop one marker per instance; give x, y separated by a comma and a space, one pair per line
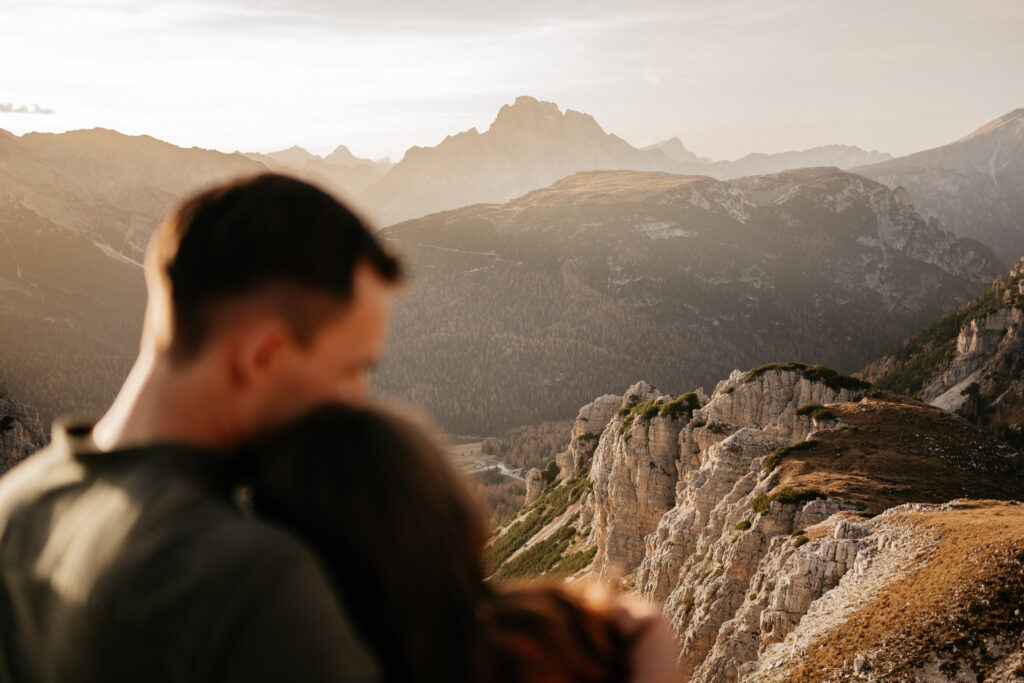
531, 144
974, 186
340, 171
549, 293
77, 210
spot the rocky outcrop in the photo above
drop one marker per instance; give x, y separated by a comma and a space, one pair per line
930, 593
534, 485
970, 362
586, 432
634, 474
706, 549
20, 431
747, 512
977, 345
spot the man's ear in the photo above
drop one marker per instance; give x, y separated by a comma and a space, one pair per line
257, 351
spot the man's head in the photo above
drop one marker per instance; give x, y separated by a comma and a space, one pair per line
272, 290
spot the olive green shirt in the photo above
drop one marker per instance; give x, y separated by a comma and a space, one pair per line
135, 565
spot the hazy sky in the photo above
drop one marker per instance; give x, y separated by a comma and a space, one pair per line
727, 77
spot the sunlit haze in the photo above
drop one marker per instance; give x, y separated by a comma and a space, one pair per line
727, 78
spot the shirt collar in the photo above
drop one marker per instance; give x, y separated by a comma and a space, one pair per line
72, 436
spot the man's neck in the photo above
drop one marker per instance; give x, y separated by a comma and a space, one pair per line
159, 403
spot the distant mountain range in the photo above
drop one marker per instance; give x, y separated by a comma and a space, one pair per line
974, 186
341, 171
840, 156
522, 310
531, 144
76, 211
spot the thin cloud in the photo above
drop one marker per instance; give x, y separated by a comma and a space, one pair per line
9, 108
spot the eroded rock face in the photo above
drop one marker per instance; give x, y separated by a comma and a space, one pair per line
534, 485
586, 431
707, 547
969, 362
660, 471
21, 433
981, 345
686, 510
634, 475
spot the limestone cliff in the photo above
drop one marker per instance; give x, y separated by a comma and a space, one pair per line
742, 511
970, 362
586, 431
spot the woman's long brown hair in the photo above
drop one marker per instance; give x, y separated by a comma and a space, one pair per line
376, 497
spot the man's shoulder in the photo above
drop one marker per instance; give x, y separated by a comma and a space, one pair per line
119, 514
157, 559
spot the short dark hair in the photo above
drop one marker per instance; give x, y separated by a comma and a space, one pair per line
254, 234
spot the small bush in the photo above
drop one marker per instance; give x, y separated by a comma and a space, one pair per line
753, 596
768, 367
703, 576
684, 404
833, 380
650, 410
800, 540
550, 472
688, 602
816, 411
814, 373
807, 409
694, 424
874, 392
786, 496
776, 456
742, 526
867, 514
627, 424
728, 390
761, 503
798, 532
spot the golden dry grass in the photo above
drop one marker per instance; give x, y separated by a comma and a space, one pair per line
896, 450
964, 605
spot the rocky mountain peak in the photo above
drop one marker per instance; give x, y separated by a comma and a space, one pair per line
293, 156
674, 149
1009, 126
341, 156
528, 114
974, 186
